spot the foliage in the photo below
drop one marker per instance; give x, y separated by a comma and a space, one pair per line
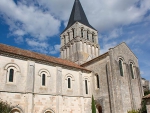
146, 92
93, 105
134, 111
143, 107
4, 107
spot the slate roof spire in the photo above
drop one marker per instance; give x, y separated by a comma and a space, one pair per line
78, 14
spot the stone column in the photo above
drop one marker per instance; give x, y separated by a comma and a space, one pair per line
90, 37
62, 41
85, 34
59, 81
65, 51
30, 77
93, 53
74, 48
67, 40
97, 52
71, 35
62, 55
96, 39
85, 47
81, 48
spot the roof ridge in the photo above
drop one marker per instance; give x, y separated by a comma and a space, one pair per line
30, 54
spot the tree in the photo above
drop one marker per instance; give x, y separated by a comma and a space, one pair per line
5, 107
93, 105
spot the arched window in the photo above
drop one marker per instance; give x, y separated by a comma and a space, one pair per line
93, 38
64, 39
86, 86
68, 36
87, 35
15, 110
82, 33
69, 83
131, 69
43, 80
44, 76
73, 33
97, 81
11, 75
121, 66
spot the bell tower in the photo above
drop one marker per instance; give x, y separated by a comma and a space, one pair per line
79, 40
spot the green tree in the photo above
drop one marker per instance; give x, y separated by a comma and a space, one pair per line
93, 105
4, 107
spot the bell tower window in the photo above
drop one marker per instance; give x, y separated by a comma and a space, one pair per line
82, 33
93, 38
68, 36
87, 35
73, 33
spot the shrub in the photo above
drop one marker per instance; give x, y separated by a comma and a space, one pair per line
134, 111
4, 107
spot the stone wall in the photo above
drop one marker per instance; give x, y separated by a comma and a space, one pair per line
27, 94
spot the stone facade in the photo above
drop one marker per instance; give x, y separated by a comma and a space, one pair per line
35, 83
28, 95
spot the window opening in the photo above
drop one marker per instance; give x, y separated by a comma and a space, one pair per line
73, 32
97, 78
64, 40
131, 68
93, 37
43, 79
86, 87
11, 75
68, 36
87, 35
82, 33
121, 67
69, 83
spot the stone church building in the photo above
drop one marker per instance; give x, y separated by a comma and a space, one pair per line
37, 83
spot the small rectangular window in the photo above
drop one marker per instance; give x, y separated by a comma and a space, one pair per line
69, 83
43, 80
86, 87
11, 75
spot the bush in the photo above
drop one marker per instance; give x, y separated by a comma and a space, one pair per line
134, 111
4, 107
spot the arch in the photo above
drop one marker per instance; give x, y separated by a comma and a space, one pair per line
9, 65
11, 72
42, 71
16, 110
48, 111
69, 75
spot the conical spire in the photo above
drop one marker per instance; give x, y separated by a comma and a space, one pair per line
78, 14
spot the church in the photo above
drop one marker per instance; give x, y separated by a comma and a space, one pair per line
37, 83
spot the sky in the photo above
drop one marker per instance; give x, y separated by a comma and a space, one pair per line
36, 25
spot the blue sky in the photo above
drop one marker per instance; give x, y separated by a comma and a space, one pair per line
36, 25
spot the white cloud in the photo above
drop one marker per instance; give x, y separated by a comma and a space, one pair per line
107, 46
55, 49
23, 19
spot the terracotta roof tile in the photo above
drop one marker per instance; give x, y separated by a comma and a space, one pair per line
37, 56
147, 96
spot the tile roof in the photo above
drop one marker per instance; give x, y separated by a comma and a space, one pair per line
33, 55
147, 96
